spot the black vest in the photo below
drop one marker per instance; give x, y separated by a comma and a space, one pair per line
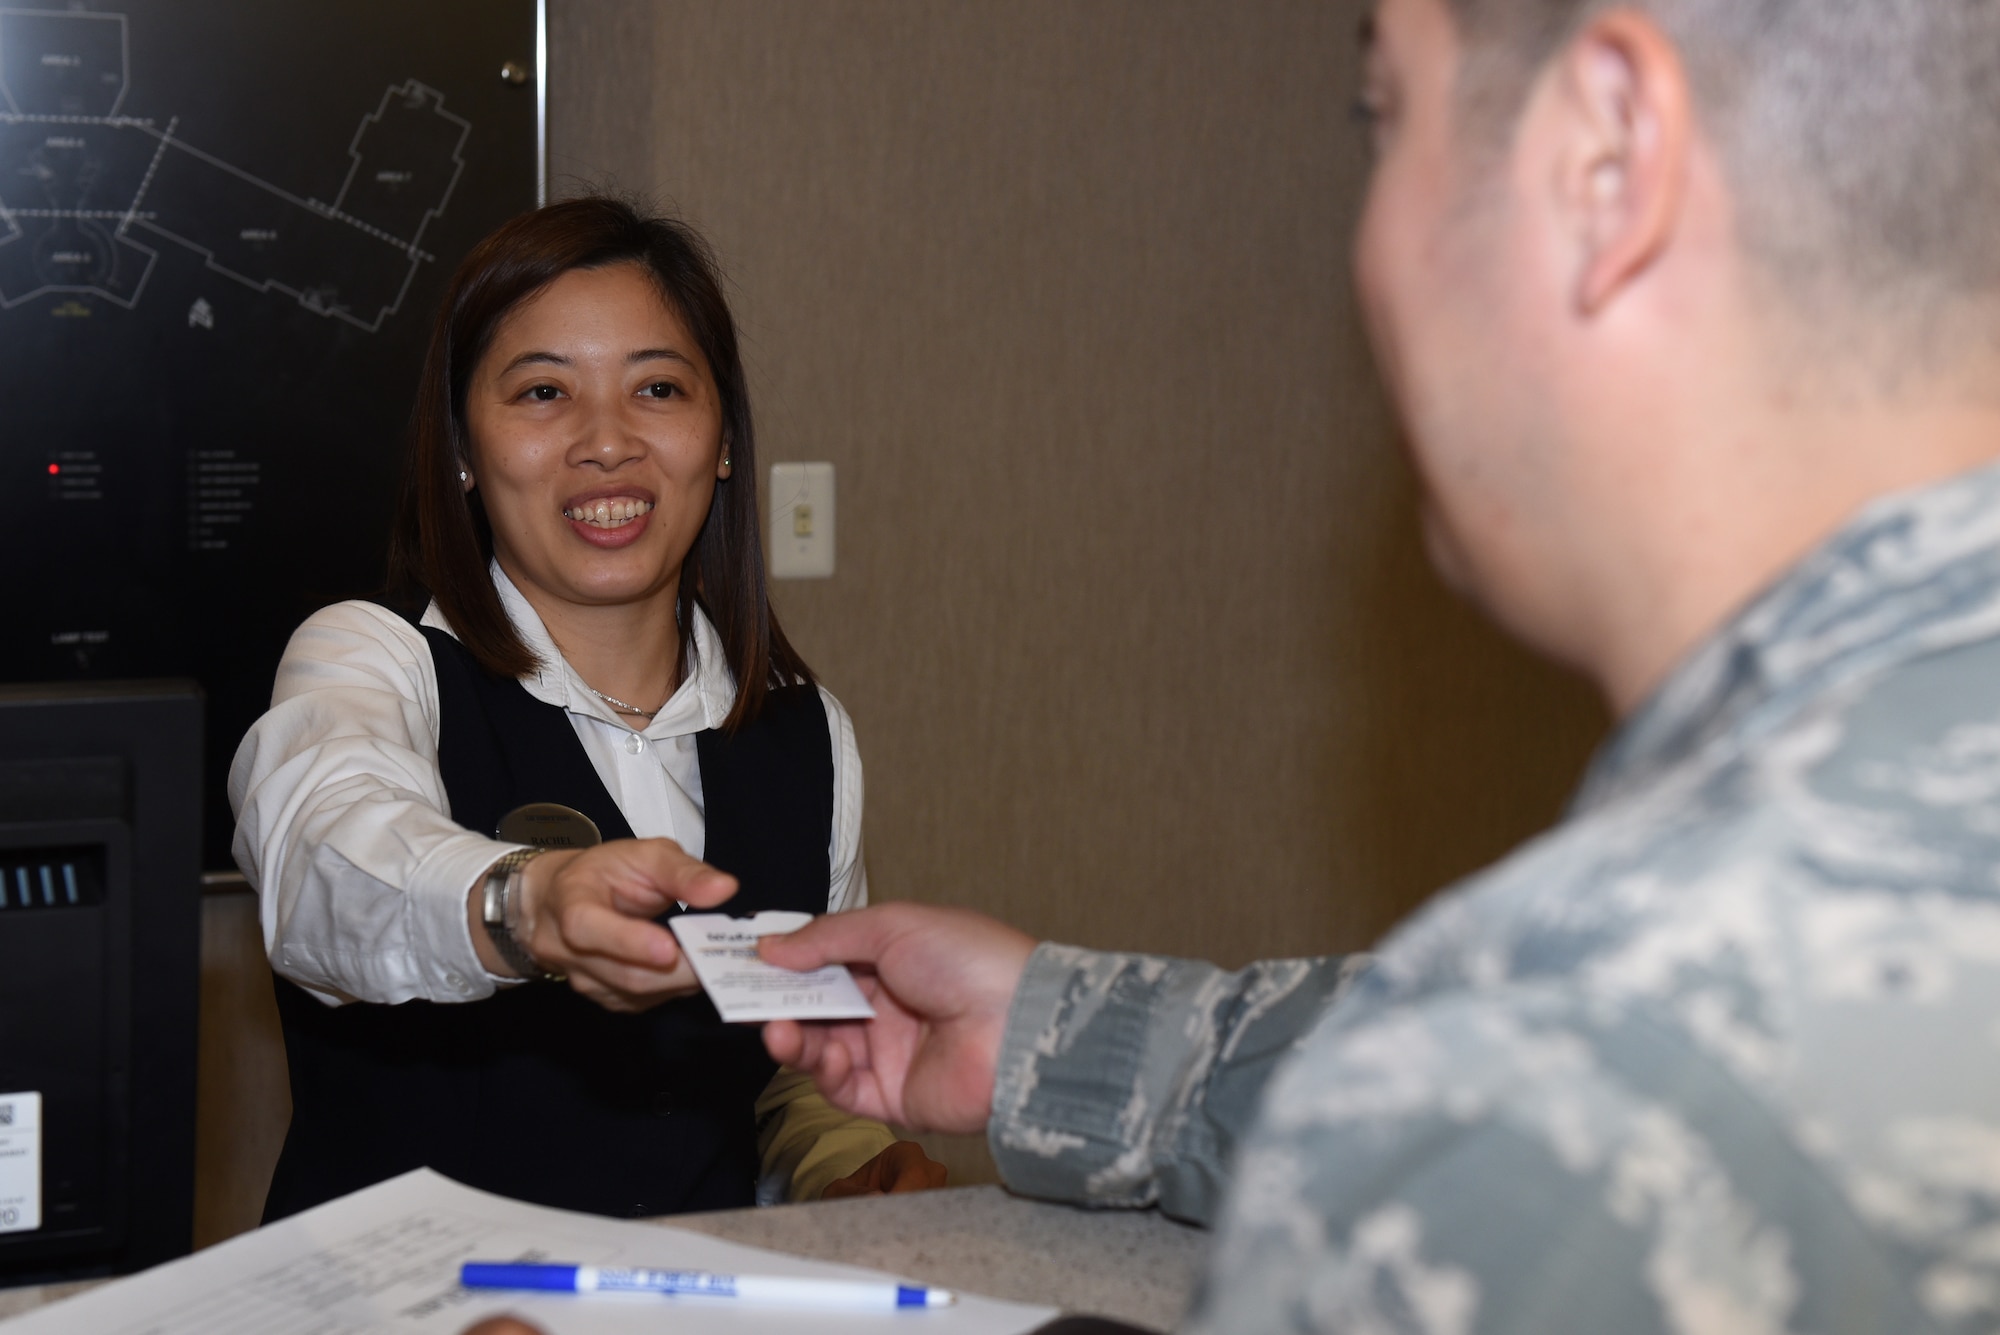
534, 1092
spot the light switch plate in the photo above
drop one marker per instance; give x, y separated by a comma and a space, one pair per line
801, 521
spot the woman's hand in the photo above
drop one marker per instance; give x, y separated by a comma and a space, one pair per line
902, 1167
940, 981
588, 914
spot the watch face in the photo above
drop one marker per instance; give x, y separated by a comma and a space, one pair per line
548, 825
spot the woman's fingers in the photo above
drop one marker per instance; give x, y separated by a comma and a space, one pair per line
597, 930
700, 886
654, 874
640, 984
627, 994
623, 963
638, 877
589, 914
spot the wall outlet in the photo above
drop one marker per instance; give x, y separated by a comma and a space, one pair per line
801, 521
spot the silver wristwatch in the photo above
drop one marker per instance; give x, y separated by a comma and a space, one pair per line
501, 912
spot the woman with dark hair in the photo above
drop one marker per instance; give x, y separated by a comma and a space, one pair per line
464, 815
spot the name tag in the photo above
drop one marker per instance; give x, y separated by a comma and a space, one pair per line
548, 825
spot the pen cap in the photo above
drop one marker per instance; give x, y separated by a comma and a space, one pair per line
480, 1275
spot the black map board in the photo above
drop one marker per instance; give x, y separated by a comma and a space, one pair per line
224, 228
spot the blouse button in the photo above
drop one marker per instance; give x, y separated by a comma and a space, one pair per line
634, 743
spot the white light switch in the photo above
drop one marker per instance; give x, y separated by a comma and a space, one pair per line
801, 521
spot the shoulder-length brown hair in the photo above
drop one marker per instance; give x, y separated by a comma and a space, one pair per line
442, 541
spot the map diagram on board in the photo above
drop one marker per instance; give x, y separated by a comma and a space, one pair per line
226, 228
90, 191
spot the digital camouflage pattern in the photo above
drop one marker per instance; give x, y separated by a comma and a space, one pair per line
1719, 1054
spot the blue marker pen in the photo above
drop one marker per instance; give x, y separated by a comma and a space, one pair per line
776, 1290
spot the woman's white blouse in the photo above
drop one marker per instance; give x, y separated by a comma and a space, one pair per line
343, 826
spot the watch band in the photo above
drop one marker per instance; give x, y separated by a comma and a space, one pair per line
499, 910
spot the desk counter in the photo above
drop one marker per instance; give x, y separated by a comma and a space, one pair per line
1138, 1267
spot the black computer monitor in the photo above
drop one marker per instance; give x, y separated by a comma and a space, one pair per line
100, 938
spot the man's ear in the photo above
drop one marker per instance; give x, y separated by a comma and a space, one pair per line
1626, 121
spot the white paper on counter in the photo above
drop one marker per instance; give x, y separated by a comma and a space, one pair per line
386, 1259
745, 990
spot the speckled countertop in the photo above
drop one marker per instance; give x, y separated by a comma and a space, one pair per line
1138, 1267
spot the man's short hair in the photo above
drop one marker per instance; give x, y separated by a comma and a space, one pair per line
1861, 137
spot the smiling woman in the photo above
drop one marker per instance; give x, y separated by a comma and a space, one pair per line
466, 817
608, 331
594, 448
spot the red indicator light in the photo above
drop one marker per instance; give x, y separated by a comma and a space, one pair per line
54, 469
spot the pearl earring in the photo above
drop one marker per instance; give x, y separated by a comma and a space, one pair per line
461, 475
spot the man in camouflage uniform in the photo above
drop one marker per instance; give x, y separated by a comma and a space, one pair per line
1692, 309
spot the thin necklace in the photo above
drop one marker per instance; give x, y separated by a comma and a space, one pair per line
621, 706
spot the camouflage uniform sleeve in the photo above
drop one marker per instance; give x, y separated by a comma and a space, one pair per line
1128, 1080
1523, 1160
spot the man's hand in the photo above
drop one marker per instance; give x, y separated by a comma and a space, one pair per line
502, 1325
588, 914
902, 1167
940, 981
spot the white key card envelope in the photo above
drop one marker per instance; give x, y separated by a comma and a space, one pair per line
745, 989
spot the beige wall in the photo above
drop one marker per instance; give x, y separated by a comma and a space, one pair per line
1130, 612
